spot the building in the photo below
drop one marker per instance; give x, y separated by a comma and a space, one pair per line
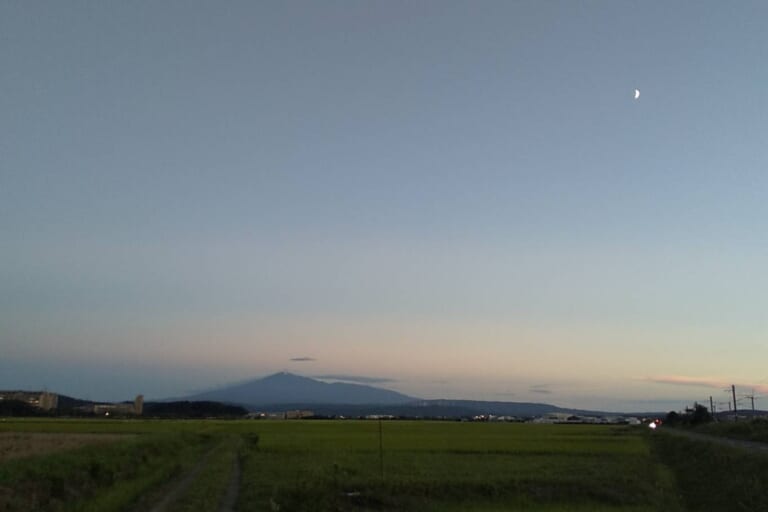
282, 415
134, 409
40, 399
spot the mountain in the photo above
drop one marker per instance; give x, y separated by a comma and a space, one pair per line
287, 388
286, 391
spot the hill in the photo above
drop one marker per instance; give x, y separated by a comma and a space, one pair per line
522, 409
192, 410
436, 409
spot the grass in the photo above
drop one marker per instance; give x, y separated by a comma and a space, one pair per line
103, 478
711, 476
15, 445
111, 426
436, 466
748, 430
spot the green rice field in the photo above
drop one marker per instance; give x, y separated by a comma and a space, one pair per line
147, 465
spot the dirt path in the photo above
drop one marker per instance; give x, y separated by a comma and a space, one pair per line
753, 446
176, 489
181, 485
230, 496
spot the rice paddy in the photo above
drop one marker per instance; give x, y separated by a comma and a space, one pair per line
336, 465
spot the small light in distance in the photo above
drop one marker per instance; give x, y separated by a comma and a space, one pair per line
652, 425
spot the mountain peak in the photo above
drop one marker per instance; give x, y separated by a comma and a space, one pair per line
280, 375
288, 388
285, 378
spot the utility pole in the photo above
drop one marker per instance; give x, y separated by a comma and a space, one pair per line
735, 411
752, 399
712, 408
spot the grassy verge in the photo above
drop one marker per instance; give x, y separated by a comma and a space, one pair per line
714, 477
752, 430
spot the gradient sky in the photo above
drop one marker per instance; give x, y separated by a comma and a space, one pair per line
462, 197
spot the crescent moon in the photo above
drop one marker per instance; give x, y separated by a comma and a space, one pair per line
637, 93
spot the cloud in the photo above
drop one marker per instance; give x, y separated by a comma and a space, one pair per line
356, 378
303, 359
681, 380
542, 389
703, 382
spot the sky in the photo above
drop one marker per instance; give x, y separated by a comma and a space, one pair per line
449, 199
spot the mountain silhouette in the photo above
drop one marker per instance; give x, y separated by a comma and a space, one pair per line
287, 388
286, 391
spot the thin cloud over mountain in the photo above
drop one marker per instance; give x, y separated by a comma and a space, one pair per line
302, 359
356, 378
542, 389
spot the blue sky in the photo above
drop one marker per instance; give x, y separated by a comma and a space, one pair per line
463, 197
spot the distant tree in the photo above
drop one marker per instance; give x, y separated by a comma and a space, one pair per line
700, 415
672, 419
186, 409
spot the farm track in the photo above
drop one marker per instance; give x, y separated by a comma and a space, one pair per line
178, 488
181, 485
230, 496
